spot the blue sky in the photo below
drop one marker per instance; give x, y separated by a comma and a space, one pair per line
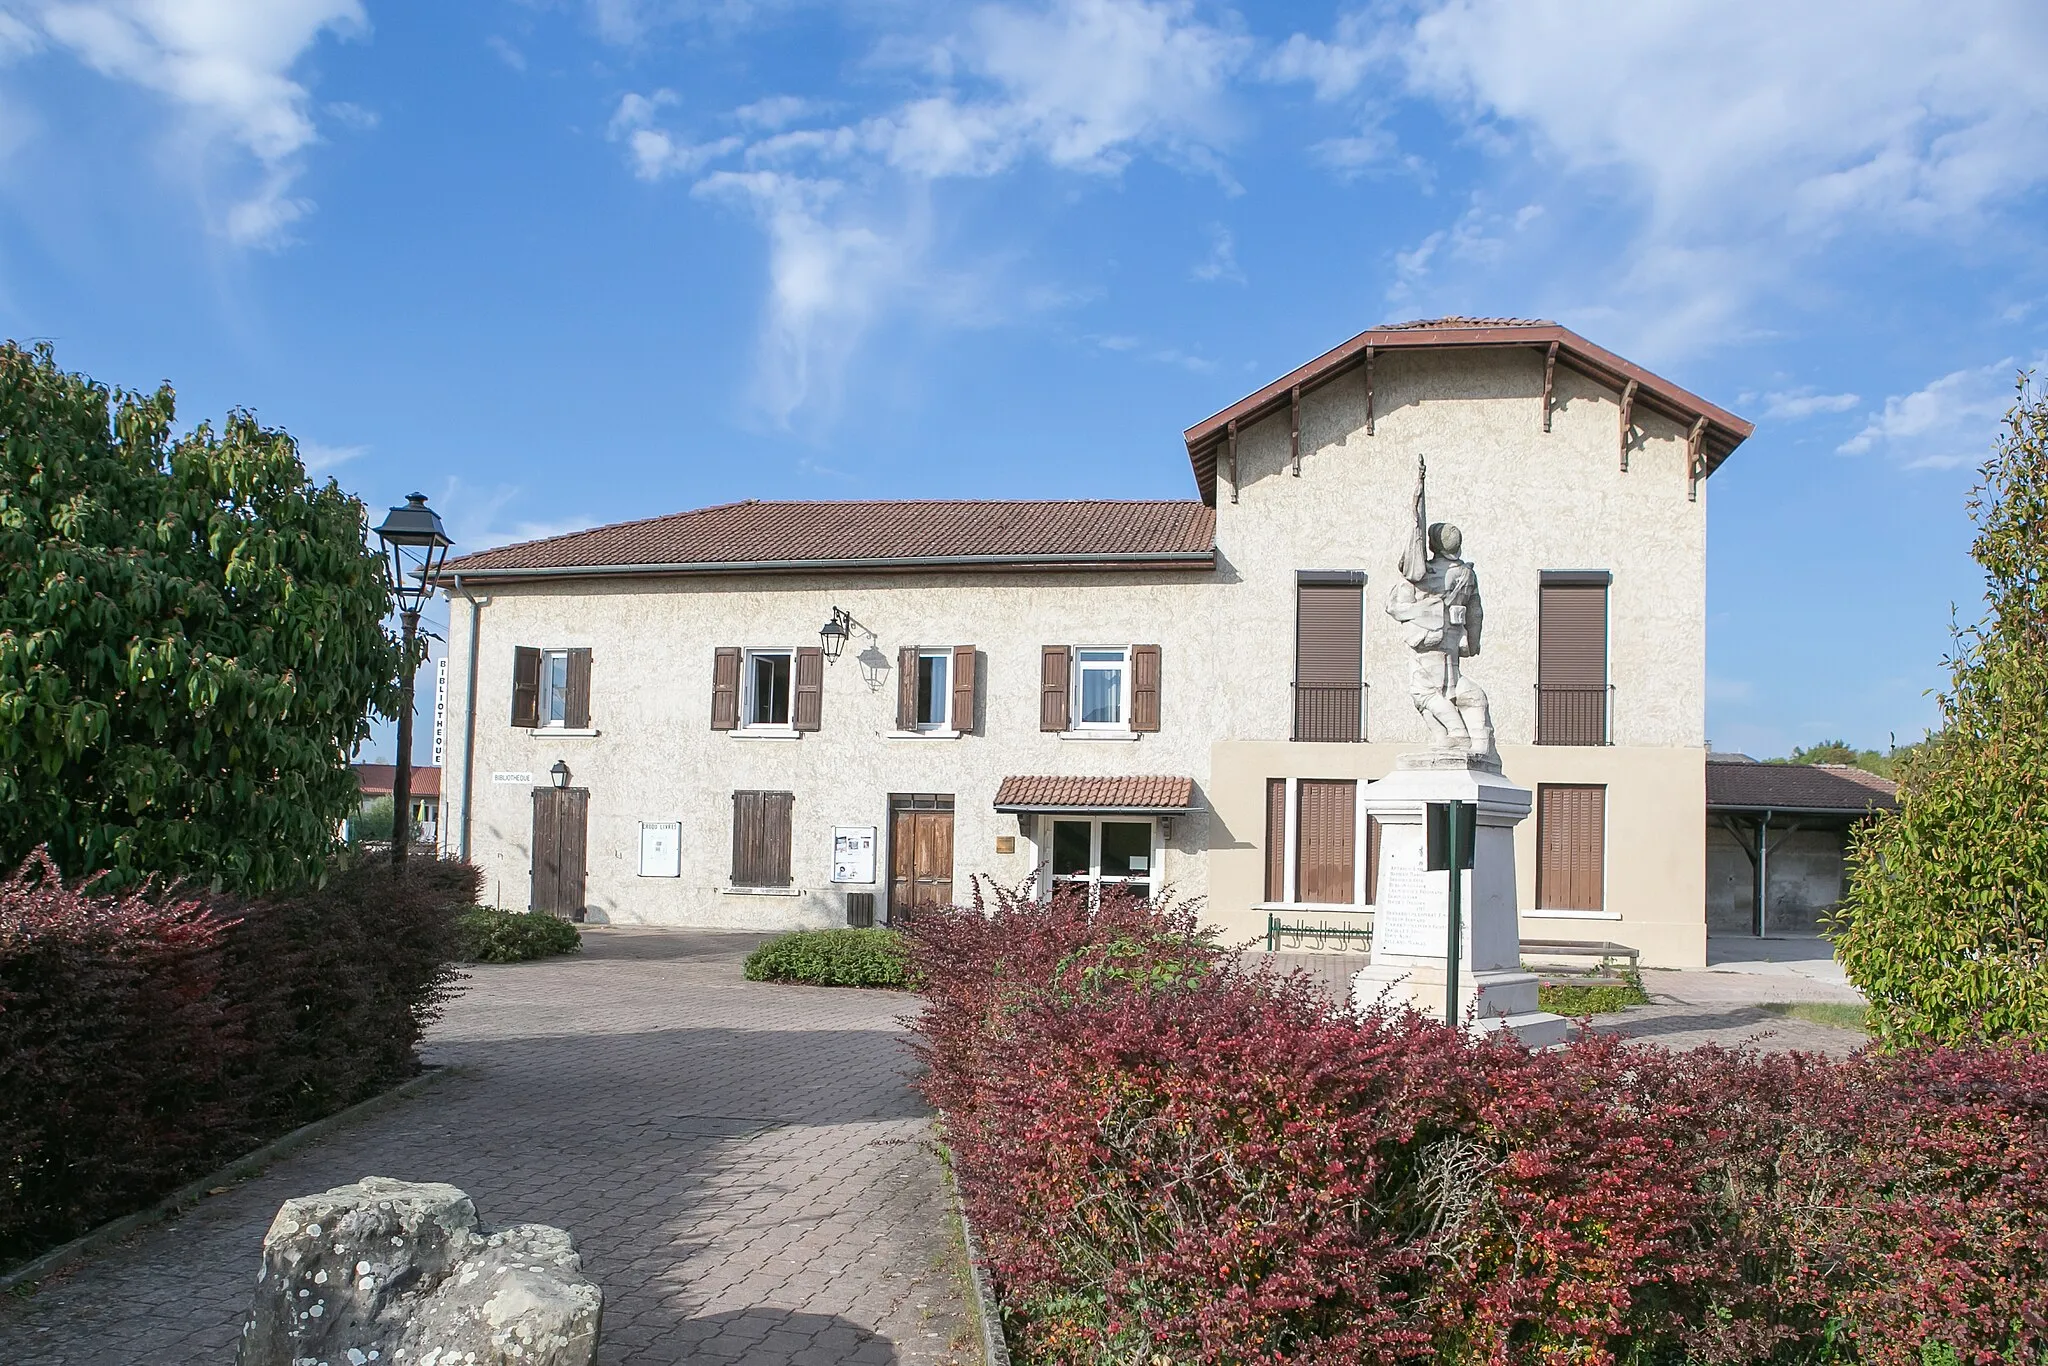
561, 264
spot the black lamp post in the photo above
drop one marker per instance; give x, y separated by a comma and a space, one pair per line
415, 544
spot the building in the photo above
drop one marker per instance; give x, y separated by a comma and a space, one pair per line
761, 714
1776, 837
375, 780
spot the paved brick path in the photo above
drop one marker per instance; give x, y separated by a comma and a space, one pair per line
743, 1166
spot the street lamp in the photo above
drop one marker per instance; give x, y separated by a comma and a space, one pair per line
832, 636
415, 544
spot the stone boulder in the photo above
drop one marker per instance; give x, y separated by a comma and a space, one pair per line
401, 1274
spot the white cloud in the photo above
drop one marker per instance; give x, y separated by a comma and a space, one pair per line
1952, 421
1083, 86
1221, 262
320, 458
1795, 404
1714, 149
504, 51
225, 64
477, 520
655, 151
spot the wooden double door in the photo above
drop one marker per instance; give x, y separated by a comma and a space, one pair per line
561, 831
920, 852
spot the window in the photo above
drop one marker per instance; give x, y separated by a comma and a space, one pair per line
1312, 844
1571, 847
1571, 658
1329, 686
1095, 853
761, 838
1100, 676
550, 688
767, 702
554, 688
934, 691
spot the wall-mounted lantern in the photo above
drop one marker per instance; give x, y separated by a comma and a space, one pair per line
834, 634
559, 774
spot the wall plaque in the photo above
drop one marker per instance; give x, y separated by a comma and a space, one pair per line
521, 779
1413, 914
853, 853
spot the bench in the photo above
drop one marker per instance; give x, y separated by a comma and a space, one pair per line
1603, 975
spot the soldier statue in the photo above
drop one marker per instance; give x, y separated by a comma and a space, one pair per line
1437, 604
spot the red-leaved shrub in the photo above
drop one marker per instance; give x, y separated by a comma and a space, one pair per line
1172, 1159
146, 1037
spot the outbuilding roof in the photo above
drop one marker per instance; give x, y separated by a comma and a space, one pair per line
375, 780
1745, 785
1722, 433
757, 537
1136, 793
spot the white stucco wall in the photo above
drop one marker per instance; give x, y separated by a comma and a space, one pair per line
656, 759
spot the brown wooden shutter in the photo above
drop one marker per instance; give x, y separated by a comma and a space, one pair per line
1144, 687
545, 889
1055, 665
572, 833
807, 705
576, 707
1276, 839
906, 688
761, 838
526, 687
1571, 660
725, 688
1326, 833
1571, 846
1329, 633
963, 689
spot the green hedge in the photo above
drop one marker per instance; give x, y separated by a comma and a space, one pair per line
831, 958
489, 935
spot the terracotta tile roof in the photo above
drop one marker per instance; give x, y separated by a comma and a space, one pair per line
859, 535
1135, 793
374, 780
1750, 786
1206, 440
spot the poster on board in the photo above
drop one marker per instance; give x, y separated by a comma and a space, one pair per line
853, 853
661, 849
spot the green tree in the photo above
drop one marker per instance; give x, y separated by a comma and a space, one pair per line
191, 638
1945, 926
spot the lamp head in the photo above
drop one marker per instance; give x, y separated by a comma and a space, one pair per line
415, 545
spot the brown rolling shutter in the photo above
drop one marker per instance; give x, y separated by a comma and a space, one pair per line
576, 707
1276, 839
807, 707
1144, 687
526, 687
1571, 660
963, 689
1055, 664
1326, 832
1571, 846
725, 688
906, 688
1329, 634
761, 838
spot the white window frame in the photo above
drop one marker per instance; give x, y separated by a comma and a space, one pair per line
944, 720
1290, 857
747, 699
550, 696
1093, 879
1122, 725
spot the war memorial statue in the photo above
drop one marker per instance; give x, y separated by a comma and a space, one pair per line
1436, 600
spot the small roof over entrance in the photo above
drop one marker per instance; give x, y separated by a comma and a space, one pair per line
1140, 794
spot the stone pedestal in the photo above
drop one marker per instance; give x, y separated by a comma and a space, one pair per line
1411, 912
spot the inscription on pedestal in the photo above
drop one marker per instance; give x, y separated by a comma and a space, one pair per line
1412, 915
